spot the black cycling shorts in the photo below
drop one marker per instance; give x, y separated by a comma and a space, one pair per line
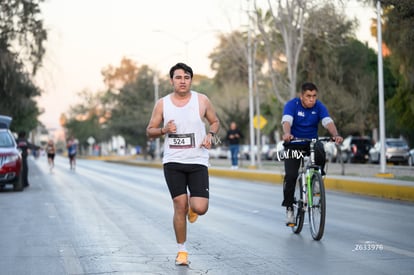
181, 176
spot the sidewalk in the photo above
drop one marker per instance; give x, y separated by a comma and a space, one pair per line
358, 179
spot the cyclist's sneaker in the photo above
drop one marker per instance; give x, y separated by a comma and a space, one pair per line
182, 258
192, 216
290, 217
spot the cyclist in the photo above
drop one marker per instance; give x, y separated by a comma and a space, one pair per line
301, 117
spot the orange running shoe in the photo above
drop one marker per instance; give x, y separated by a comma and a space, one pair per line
192, 216
182, 258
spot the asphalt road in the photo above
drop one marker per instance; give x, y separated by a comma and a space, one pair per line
107, 218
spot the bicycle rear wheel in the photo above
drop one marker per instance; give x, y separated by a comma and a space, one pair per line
317, 211
298, 207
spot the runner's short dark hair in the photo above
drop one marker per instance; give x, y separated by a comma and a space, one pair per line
181, 66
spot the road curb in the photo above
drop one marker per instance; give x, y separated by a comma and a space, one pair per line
369, 187
382, 190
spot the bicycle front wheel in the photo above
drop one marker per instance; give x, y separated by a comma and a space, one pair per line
298, 206
317, 209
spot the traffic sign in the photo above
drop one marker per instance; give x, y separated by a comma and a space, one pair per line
259, 123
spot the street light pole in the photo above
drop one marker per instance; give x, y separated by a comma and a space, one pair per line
250, 79
381, 90
185, 42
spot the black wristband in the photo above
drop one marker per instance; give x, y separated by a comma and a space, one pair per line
212, 133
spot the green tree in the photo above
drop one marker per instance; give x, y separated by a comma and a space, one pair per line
20, 23
354, 105
229, 59
117, 77
345, 70
398, 35
230, 90
232, 104
21, 51
87, 119
17, 93
133, 106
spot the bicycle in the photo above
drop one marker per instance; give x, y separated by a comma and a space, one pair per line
309, 193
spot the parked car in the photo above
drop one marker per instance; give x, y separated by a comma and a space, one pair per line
276, 152
331, 150
10, 157
356, 149
245, 151
265, 150
220, 152
396, 151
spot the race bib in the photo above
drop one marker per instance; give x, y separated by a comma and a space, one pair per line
181, 141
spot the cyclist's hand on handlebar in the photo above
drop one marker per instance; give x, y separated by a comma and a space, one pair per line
338, 139
287, 137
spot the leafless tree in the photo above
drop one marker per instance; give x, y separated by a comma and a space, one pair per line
282, 31
283, 28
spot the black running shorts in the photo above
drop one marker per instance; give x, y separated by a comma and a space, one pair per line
179, 176
50, 156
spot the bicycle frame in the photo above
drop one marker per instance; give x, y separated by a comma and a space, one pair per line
307, 174
308, 168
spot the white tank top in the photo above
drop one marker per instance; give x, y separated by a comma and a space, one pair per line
184, 145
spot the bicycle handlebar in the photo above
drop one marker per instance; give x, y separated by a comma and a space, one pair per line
309, 140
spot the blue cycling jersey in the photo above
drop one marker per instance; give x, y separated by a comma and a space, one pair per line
305, 120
